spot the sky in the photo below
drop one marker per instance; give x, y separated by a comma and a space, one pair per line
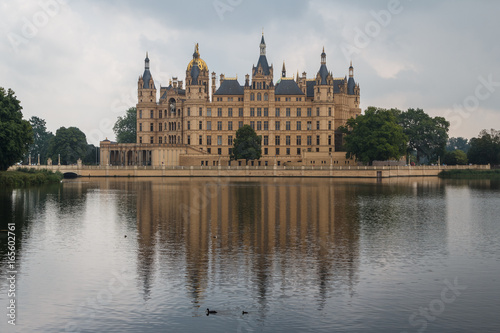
76, 63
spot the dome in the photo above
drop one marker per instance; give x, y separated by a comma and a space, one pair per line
202, 65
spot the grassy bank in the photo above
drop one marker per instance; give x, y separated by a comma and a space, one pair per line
470, 174
26, 177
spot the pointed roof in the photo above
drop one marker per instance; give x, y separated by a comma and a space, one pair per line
287, 86
265, 66
146, 76
230, 87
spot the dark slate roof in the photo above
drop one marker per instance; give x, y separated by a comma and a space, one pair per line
350, 86
310, 88
195, 73
265, 65
146, 77
230, 87
336, 84
323, 72
287, 87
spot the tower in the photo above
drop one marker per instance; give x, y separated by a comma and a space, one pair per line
262, 74
197, 77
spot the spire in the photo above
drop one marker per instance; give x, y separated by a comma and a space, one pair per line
283, 71
297, 77
196, 53
351, 70
262, 45
146, 61
323, 57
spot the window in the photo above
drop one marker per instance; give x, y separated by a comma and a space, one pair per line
219, 140
209, 140
140, 127
266, 140
329, 140
298, 151
140, 139
266, 112
287, 112
309, 112
288, 99
160, 127
152, 139
277, 140
299, 112
329, 124
252, 112
309, 140
152, 114
219, 112
252, 125
151, 127
140, 114
266, 126
277, 112
259, 112
200, 112
299, 126
240, 124
287, 125
230, 151
189, 125
299, 140
287, 140
189, 139
219, 125
266, 97
200, 125
317, 140
317, 112
288, 151
252, 97
259, 97
160, 113
189, 112
209, 126
317, 125
230, 112
329, 111
240, 112
209, 150
265, 151
230, 125
277, 151
160, 140
200, 140
230, 140
209, 112
219, 151
309, 125
259, 125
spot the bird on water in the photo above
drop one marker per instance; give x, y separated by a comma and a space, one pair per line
211, 311
244, 312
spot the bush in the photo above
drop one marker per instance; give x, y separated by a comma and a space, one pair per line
26, 177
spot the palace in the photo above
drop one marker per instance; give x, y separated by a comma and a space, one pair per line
298, 118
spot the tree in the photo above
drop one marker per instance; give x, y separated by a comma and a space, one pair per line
458, 144
247, 144
41, 140
70, 143
426, 135
16, 134
485, 149
374, 136
125, 127
456, 157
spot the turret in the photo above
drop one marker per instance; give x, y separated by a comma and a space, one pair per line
283, 70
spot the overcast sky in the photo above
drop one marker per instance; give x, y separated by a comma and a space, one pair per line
76, 63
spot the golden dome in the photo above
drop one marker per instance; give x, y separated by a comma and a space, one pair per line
202, 65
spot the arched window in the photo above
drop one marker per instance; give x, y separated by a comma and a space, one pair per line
266, 97
259, 97
252, 97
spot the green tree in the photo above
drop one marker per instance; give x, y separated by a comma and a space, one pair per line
247, 144
41, 140
70, 143
374, 136
92, 156
458, 144
485, 149
125, 127
456, 157
16, 134
426, 135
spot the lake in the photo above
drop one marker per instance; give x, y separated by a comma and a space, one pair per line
297, 254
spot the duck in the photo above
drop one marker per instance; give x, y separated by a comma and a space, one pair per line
244, 312
211, 311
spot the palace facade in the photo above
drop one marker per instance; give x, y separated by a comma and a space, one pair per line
298, 118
